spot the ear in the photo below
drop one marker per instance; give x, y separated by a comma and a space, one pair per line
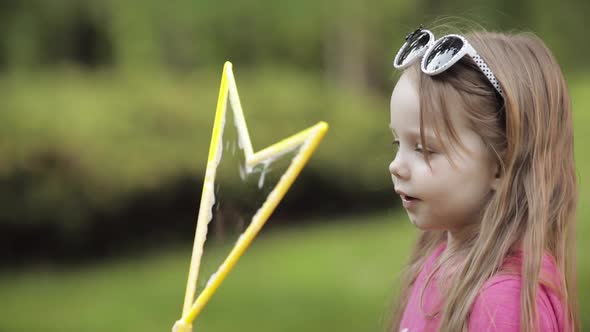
497, 171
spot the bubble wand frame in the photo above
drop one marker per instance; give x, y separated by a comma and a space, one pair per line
307, 139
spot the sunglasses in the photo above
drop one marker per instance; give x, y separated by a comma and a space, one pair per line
438, 55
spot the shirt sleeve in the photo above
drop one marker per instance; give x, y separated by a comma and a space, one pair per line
497, 308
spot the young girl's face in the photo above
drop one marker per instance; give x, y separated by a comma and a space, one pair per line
444, 195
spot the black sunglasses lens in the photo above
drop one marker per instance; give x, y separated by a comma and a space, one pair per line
442, 52
414, 45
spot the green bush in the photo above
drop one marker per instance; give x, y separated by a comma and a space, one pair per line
74, 143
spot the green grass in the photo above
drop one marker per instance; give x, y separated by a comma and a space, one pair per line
336, 276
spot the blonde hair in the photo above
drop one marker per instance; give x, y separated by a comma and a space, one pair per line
529, 133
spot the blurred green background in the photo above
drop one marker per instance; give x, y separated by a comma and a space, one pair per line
106, 114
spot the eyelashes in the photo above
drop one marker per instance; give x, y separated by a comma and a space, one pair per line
417, 148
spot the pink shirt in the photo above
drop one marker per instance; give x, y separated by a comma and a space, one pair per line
496, 308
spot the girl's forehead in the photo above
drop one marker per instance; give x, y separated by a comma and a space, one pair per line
404, 104
405, 93
405, 109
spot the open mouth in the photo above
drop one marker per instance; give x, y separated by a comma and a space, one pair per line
409, 198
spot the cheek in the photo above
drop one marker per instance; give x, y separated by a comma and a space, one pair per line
464, 188
446, 184
434, 180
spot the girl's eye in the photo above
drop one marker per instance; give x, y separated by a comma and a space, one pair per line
420, 150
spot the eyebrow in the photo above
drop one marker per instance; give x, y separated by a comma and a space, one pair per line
415, 134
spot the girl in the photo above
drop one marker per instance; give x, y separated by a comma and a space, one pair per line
484, 167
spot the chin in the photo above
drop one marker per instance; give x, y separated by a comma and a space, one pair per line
422, 225
416, 223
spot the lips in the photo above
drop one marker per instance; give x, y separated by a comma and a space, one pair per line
408, 201
405, 196
408, 198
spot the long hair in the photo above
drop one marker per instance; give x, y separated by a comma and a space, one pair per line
529, 133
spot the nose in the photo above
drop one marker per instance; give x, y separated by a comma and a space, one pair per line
399, 169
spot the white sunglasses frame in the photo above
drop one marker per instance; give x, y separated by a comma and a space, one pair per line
408, 61
466, 49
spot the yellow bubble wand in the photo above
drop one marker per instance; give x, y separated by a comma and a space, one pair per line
307, 140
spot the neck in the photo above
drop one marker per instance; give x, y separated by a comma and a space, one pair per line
456, 238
